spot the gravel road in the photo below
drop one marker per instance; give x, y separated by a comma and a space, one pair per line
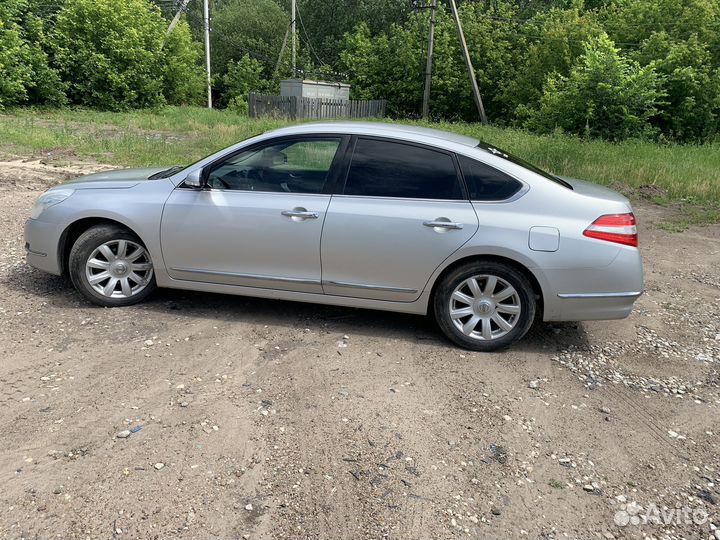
262, 418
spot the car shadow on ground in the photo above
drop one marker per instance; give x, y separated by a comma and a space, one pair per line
59, 293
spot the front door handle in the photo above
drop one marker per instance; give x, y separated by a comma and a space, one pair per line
443, 223
300, 214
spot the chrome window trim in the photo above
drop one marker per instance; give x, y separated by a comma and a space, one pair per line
249, 276
369, 287
376, 197
633, 294
223, 190
514, 197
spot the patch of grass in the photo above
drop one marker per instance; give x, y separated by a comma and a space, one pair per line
557, 484
180, 135
691, 215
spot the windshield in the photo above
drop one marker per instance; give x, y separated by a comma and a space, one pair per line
517, 161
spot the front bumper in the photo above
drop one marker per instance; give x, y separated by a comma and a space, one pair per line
42, 240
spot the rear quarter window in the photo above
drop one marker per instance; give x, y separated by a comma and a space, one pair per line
486, 183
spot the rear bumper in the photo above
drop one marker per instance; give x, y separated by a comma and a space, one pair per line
586, 294
595, 306
41, 245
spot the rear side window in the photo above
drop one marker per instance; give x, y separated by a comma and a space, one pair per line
485, 183
391, 169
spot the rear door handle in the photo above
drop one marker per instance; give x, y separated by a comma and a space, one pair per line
441, 224
299, 214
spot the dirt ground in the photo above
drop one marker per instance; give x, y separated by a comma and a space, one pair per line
266, 419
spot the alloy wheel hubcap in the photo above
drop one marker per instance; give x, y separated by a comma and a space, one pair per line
485, 307
119, 269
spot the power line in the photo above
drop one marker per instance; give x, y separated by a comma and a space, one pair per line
307, 37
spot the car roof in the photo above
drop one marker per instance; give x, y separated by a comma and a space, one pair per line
379, 129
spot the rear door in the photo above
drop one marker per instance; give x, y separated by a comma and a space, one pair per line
402, 211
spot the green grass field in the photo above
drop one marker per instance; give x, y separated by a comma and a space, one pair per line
177, 135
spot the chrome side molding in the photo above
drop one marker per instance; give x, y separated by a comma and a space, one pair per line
601, 295
369, 287
279, 279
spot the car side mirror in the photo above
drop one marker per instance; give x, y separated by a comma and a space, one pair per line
194, 179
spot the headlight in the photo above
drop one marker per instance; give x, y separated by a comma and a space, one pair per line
48, 199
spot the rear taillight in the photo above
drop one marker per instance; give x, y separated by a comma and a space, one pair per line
619, 228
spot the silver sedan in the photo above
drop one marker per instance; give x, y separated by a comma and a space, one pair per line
369, 215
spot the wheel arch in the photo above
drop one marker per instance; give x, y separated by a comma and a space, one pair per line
532, 278
73, 231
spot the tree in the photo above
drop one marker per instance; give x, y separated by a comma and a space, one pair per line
242, 77
240, 27
555, 39
25, 75
605, 95
184, 75
495, 42
111, 53
114, 55
391, 65
325, 22
691, 83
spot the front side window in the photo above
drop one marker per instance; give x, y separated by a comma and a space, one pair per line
290, 166
392, 169
486, 183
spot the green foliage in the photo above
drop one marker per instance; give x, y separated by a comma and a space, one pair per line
241, 27
25, 76
184, 76
243, 77
496, 42
608, 68
324, 23
636, 20
391, 66
691, 83
115, 55
555, 40
111, 53
605, 95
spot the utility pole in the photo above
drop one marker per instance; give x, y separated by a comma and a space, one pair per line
176, 18
206, 19
282, 51
468, 63
294, 46
428, 64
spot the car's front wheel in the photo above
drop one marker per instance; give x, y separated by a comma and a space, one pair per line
484, 306
110, 266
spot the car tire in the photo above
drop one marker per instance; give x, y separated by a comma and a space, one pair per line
477, 318
110, 266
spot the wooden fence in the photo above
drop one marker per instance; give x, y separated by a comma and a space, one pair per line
296, 108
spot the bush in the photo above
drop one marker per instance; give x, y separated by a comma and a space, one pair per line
114, 56
604, 95
691, 83
25, 76
184, 75
242, 77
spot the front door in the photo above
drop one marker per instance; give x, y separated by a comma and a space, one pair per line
259, 221
403, 211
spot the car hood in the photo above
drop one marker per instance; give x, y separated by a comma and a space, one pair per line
119, 178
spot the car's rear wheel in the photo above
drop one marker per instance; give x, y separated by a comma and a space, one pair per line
110, 266
484, 306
